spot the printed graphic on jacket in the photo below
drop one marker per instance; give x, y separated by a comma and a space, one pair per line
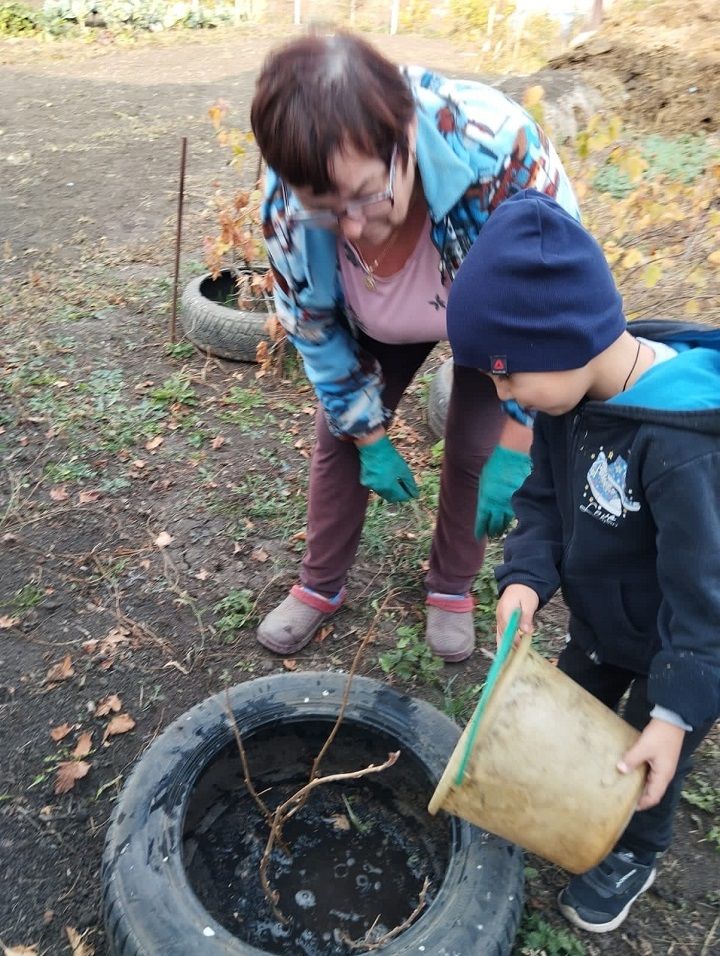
609, 500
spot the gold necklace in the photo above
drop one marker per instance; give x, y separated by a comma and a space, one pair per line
369, 269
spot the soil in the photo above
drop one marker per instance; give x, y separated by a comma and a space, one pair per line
118, 548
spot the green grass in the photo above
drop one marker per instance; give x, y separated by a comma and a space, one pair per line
25, 599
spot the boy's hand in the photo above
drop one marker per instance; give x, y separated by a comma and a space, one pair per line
659, 747
512, 596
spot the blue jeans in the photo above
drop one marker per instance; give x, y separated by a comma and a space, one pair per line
649, 831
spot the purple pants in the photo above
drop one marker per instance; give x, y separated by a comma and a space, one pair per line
337, 505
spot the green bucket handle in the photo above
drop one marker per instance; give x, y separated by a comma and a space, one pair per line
501, 656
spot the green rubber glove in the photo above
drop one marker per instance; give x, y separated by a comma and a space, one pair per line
501, 477
385, 471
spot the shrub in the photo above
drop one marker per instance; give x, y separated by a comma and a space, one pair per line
16, 19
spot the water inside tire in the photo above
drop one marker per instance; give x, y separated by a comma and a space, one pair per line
360, 850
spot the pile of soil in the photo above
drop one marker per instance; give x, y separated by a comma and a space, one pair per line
663, 59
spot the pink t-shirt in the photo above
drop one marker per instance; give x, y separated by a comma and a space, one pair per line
408, 306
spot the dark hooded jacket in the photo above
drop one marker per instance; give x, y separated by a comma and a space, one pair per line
622, 512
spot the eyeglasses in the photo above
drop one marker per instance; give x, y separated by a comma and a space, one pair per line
358, 209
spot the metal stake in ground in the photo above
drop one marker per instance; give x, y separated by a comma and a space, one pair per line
178, 236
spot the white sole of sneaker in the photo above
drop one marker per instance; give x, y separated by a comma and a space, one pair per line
573, 917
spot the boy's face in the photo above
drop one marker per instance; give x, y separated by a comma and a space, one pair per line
554, 393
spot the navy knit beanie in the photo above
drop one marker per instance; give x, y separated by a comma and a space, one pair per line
534, 293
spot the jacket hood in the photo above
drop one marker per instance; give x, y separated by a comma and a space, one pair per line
684, 392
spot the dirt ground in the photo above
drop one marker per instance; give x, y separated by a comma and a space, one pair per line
140, 489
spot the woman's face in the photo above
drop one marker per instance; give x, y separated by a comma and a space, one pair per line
358, 177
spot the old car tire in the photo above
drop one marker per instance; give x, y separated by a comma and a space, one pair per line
149, 908
220, 329
439, 398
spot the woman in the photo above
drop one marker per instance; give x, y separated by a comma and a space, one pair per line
379, 180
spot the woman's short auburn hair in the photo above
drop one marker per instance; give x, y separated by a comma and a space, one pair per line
318, 94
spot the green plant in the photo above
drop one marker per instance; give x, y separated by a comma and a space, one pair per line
459, 706
179, 350
713, 836
682, 158
613, 180
68, 471
236, 610
411, 659
175, 390
28, 597
536, 937
16, 19
703, 795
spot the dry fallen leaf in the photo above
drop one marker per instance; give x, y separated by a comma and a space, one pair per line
111, 703
339, 821
163, 540
59, 494
84, 745
68, 772
202, 575
154, 443
259, 554
6, 621
77, 942
290, 665
61, 671
323, 632
20, 950
139, 464
119, 725
62, 730
88, 497
217, 442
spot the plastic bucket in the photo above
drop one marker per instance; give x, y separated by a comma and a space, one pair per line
537, 763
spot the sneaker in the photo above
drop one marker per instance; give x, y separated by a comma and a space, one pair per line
293, 624
599, 900
450, 630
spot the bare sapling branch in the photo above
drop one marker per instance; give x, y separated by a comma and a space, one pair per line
368, 944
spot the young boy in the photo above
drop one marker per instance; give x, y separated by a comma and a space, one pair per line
620, 510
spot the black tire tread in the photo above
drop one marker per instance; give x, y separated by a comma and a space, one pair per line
219, 330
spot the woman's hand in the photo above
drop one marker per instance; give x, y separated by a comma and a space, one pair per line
517, 595
659, 746
384, 470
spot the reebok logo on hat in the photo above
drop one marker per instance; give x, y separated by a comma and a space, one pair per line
498, 364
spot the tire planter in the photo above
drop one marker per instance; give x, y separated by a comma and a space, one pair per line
220, 329
439, 398
148, 904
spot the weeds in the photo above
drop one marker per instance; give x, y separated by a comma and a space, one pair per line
175, 390
703, 795
179, 350
459, 706
411, 659
236, 611
536, 937
24, 600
